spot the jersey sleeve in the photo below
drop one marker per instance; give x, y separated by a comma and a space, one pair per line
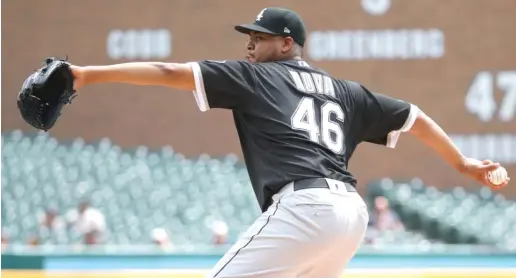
223, 84
382, 118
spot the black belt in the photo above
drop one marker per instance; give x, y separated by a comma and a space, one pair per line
318, 183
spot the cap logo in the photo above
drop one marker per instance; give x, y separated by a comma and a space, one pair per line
286, 30
260, 15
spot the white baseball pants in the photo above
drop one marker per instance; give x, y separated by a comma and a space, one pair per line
309, 233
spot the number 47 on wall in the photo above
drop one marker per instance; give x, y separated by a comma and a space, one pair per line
480, 98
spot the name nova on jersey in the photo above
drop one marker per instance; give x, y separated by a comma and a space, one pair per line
313, 83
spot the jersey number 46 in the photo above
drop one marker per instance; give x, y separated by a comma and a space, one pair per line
304, 118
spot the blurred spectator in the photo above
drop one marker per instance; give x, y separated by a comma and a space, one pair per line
220, 232
5, 240
33, 241
383, 217
88, 221
160, 237
50, 221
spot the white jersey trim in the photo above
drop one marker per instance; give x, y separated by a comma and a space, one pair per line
393, 136
199, 92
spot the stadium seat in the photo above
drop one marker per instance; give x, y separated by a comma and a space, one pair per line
142, 189
455, 216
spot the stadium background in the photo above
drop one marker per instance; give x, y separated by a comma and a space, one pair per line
146, 158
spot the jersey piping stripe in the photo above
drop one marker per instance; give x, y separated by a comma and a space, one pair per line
393, 136
250, 240
199, 92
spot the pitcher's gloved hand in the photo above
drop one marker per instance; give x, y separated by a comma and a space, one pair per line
45, 93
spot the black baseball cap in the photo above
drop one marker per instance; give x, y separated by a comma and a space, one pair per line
279, 22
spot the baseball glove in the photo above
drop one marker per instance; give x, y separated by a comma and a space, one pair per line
45, 93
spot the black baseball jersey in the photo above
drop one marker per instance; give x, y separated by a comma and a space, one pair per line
295, 121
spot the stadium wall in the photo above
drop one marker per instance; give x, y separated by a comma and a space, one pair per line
419, 51
190, 266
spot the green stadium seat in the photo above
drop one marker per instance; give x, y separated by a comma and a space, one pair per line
141, 189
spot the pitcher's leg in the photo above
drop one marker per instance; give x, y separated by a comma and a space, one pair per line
283, 242
334, 262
